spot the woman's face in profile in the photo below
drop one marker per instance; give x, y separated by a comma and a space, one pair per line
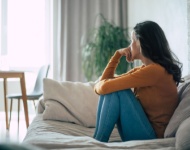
135, 46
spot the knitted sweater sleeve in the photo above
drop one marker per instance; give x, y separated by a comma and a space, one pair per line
138, 77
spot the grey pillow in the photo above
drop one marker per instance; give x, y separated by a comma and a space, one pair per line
183, 136
181, 87
181, 113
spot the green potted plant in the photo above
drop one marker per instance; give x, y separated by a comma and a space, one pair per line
100, 45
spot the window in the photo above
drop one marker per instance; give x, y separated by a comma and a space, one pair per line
25, 35
0, 24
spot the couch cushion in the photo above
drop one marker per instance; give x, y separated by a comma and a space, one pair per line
183, 136
181, 89
182, 112
50, 134
74, 102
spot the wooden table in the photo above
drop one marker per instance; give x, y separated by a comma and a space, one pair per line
15, 74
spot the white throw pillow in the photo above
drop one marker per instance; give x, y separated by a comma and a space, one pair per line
67, 101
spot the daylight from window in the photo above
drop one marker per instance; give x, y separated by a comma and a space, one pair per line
26, 33
0, 26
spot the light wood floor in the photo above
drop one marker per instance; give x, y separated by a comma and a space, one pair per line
16, 133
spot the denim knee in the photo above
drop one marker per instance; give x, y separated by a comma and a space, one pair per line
108, 116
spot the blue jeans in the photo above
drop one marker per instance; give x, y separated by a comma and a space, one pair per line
122, 108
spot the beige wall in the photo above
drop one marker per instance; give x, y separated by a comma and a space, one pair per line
171, 15
188, 26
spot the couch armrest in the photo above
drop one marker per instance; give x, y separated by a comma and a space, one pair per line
40, 107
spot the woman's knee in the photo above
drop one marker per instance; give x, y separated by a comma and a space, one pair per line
126, 91
110, 96
110, 99
126, 94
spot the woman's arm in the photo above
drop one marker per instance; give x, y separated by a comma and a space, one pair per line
109, 71
142, 77
114, 61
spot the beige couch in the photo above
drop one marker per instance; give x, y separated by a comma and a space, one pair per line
66, 120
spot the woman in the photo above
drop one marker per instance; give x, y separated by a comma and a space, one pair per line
145, 112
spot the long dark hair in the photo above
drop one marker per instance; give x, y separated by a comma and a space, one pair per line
155, 47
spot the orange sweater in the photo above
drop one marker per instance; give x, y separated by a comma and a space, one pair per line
153, 86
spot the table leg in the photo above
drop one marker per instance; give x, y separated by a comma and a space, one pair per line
24, 98
5, 102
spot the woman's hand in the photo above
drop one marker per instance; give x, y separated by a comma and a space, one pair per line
126, 52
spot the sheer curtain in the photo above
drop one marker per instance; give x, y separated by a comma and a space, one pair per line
72, 20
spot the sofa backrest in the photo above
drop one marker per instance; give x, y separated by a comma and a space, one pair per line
182, 112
